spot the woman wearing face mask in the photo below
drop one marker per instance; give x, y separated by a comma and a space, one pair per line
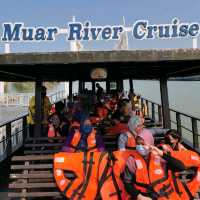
84, 138
172, 142
148, 173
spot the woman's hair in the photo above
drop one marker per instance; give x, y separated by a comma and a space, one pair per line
174, 133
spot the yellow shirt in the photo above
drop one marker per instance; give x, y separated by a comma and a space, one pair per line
31, 110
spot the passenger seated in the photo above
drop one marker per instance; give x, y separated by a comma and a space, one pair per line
172, 142
149, 173
58, 125
118, 125
136, 128
84, 139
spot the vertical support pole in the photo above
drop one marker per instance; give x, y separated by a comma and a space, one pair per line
178, 123
120, 86
80, 87
107, 86
153, 111
24, 129
160, 115
131, 85
93, 87
9, 139
195, 133
165, 102
147, 106
38, 109
70, 91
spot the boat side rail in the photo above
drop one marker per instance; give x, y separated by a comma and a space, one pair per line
187, 125
12, 135
14, 132
22, 99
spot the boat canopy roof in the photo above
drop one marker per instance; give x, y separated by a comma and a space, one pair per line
66, 66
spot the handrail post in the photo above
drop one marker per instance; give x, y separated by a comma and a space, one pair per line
153, 111
160, 119
195, 133
178, 123
9, 139
142, 105
147, 104
165, 102
24, 129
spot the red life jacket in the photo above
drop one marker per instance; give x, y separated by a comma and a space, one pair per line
91, 141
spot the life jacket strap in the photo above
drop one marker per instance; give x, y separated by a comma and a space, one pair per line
88, 175
176, 184
67, 187
165, 191
187, 190
91, 148
104, 175
73, 147
130, 148
159, 181
118, 191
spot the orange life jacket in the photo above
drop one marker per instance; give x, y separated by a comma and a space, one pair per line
162, 184
191, 160
168, 148
83, 169
131, 143
111, 166
91, 141
94, 174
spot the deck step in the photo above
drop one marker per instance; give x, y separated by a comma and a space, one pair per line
33, 166
33, 194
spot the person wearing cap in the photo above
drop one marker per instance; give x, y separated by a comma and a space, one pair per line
46, 107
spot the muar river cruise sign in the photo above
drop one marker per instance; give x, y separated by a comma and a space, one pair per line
141, 29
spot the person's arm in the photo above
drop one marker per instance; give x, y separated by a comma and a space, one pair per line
122, 141
128, 183
66, 146
172, 163
129, 179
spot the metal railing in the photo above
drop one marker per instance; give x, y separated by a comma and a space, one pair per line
187, 125
14, 132
22, 99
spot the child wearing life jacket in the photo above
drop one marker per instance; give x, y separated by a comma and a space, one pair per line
149, 173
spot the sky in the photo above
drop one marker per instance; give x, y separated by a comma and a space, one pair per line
104, 12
